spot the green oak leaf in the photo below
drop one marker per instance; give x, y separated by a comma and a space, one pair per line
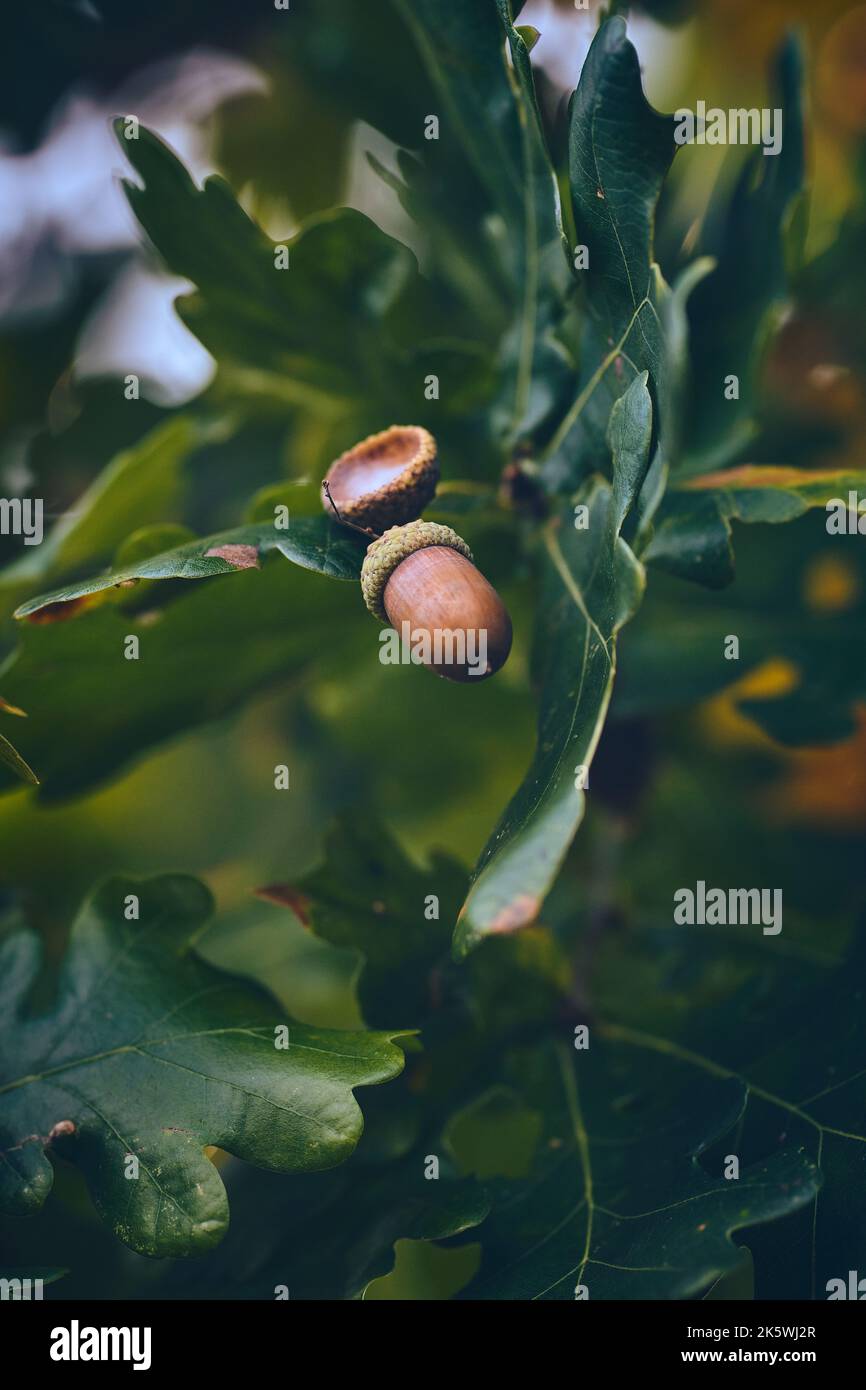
148, 541
620, 151
314, 543
396, 916
493, 108
461, 47
785, 1025
831, 288
703, 1042
331, 1238
328, 1235
618, 1202
326, 321
764, 492
692, 540
302, 496
11, 758
693, 537
780, 1014
592, 585
457, 243
383, 85
200, 656
245, 308
369, 897
535, 364
335, 325
150, 1053
821, 1104
677, 372
141, 485
735, 311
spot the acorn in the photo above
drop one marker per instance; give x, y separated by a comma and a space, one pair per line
385, 480
420, 579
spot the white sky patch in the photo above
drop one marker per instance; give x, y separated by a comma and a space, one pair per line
135, 329
368, 193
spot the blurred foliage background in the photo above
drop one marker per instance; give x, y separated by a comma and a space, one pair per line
288, 106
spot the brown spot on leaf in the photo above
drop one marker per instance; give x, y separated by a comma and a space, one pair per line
61, 611
598, 193
519, 913
284, 895
63, 1127
240, 557
216, 1155
11, 709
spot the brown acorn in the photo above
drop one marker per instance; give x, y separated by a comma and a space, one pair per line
385, 480
420, 578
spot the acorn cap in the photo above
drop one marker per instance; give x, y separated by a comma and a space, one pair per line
386, 553
386, 480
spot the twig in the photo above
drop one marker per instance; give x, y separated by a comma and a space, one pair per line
364, 530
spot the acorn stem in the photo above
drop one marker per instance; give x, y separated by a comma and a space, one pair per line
363, 530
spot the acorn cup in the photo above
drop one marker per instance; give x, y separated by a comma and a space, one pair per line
385, 480
420, 578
